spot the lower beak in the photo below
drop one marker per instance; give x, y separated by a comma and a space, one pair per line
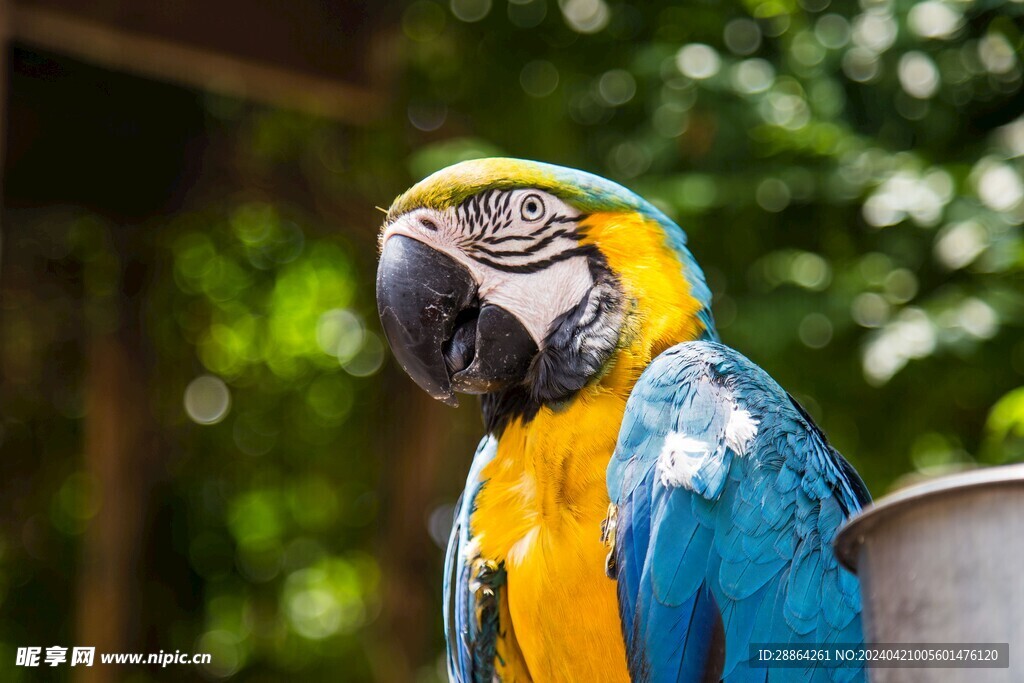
437, 328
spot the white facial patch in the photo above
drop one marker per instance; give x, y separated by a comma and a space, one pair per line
740, 430
539, 298
681, 459
439, 229
518, 245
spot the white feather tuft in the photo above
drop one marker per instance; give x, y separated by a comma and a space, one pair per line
681, 459
740, 430
472, 549
518, 552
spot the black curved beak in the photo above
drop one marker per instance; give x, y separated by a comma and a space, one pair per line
438, 330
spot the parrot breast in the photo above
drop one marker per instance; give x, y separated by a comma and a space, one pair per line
541, 512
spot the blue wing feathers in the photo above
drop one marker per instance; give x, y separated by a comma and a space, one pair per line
628, 568
470, 650
740, 617
677, 580
803, 591
830, 517
729, 498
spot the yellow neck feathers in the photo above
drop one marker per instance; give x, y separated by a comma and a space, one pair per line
660, 310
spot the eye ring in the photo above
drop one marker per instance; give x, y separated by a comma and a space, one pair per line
532, 208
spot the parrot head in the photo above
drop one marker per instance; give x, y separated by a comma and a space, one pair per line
506, 277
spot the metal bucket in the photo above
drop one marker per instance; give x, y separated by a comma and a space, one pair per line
943, 562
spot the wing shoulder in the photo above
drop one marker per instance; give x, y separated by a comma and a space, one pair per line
729, 497
706, 395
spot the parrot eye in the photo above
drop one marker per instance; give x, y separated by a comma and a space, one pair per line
532, 208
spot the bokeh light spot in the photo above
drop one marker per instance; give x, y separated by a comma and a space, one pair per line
772, 195
539, 78
742, 36
900, 286
670, 120
933, 19
815, 330
369, 359
752, 76
225, 652
698, 61
875, 30
861, 65
339, 333
254, 518
832, 31
616, 87
207, 399
998, 185
978, 319
470, 10
326, 599
910, 335
957, 245
585, 16
527, 13
629, 159
996, 53
427, 117
870, 309
806, 49
918, 75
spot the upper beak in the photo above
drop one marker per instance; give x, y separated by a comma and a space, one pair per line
437, 328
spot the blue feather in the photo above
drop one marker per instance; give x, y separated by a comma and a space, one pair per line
466, 641
733, 540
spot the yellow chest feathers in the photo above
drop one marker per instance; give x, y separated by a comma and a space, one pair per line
540, 512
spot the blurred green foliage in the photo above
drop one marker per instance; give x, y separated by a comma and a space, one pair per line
272, 316
850, 178
848, 173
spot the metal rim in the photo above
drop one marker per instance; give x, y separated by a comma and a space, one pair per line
851, 535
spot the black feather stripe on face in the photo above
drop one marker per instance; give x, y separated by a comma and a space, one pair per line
539, 265
484, 217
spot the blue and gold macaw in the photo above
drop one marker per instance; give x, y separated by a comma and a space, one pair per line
647, 503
